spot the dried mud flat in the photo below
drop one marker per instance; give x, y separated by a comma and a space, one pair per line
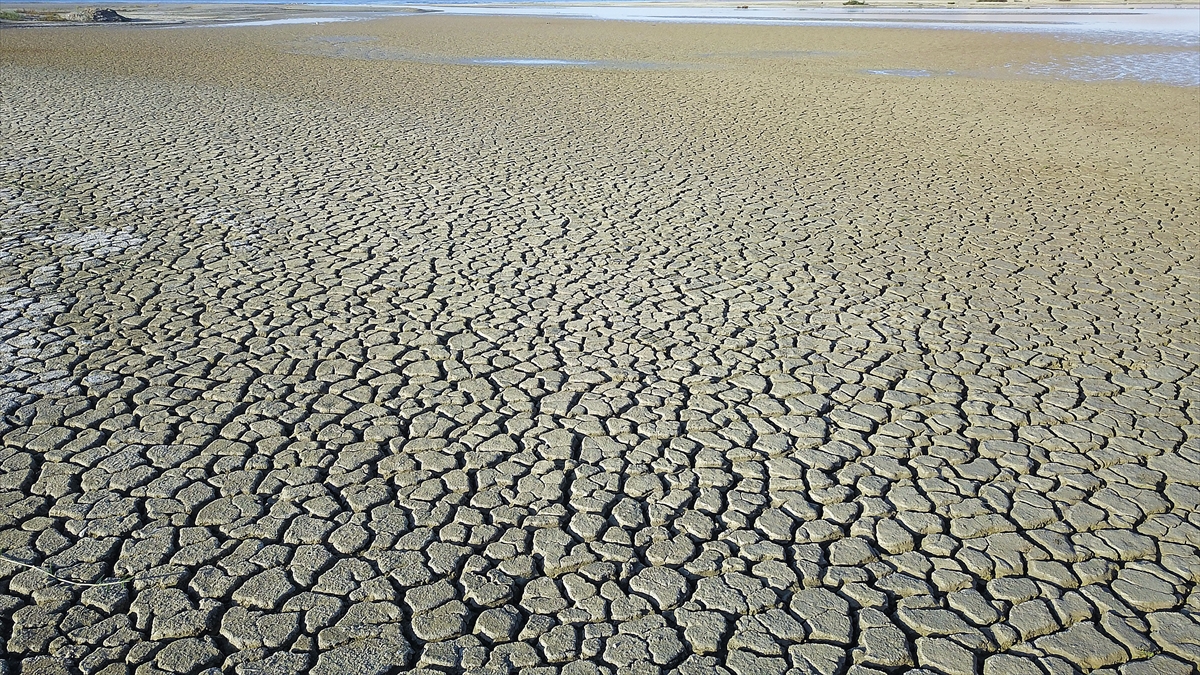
336, 363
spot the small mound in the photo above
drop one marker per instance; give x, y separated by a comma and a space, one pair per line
97, 15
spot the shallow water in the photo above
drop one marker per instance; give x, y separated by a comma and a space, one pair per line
530, 62
282, 22
1181, 68
902, 72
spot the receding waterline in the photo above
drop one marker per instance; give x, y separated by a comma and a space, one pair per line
283, 22
530, 62
902, 72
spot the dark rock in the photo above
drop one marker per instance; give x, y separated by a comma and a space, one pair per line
97, 15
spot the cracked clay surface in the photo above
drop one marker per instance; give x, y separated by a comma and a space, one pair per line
764, 367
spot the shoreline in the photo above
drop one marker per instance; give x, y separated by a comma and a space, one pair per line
981, 14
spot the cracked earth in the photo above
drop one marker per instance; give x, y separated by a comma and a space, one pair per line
330, 365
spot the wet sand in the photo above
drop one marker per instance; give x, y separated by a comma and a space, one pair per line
336, 348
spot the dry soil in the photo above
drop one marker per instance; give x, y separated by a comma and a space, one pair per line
340, 349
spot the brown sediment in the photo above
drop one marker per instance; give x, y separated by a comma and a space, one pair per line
350, 351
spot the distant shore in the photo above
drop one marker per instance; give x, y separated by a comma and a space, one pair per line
959, 12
